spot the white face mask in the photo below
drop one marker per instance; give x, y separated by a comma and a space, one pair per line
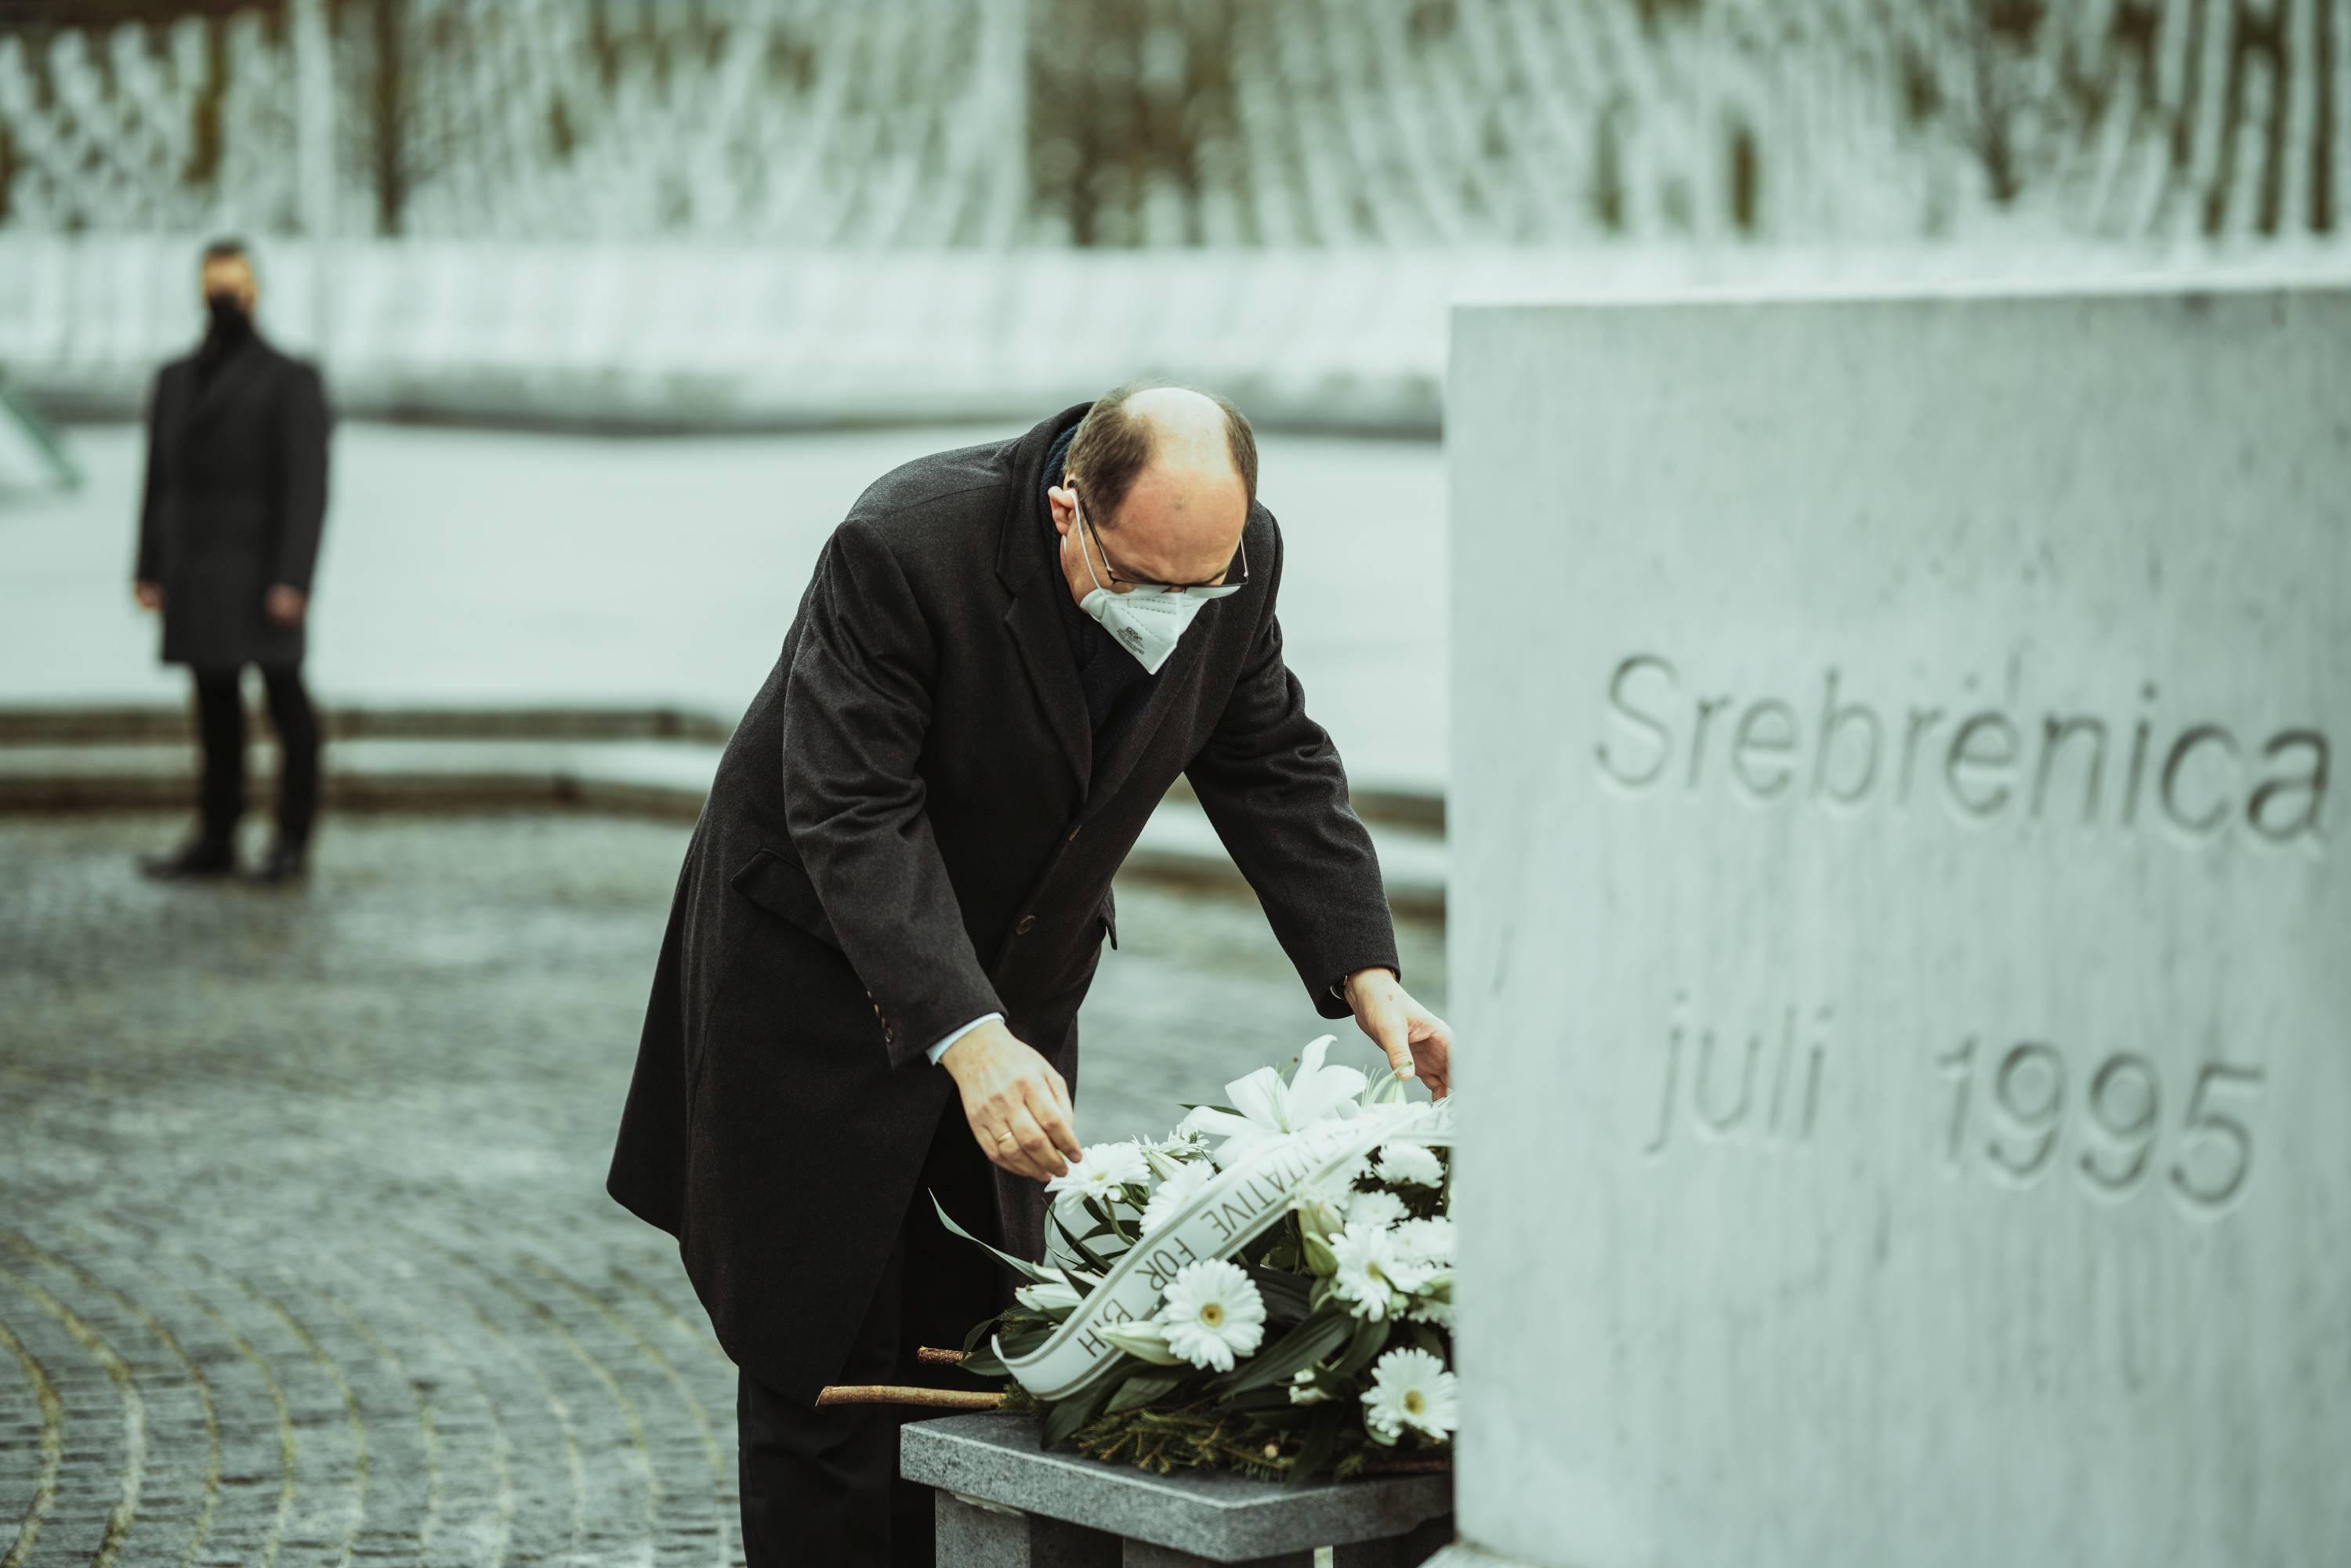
1147, 621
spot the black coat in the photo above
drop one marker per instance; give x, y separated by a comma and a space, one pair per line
236, 500
908, 831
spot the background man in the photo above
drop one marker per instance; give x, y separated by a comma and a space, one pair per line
1006, 657
229, 535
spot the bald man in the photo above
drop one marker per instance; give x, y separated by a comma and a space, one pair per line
897, 896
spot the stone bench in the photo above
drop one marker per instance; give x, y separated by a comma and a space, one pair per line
1001, 1502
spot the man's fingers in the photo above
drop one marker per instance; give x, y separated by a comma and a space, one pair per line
1058, 1115
1435, 1046
1036, 1147
1395, 1038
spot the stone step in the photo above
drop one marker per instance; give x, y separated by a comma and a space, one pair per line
654, 778
86, 724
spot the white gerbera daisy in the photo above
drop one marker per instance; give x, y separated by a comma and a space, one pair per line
1426, 1241
1431, 1300
1170, 1196
1409, 1165
1411, 1391
1369, 1273
1102, 1171
1212, 1312
1266, 1110
1375, 1210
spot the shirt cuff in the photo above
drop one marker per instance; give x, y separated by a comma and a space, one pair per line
941, 1048
1338, 986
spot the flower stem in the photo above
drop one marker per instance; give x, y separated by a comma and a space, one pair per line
900, 1393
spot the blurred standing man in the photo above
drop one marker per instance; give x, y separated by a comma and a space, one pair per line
228, 533
897, 894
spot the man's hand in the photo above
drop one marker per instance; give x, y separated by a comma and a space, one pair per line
284, 604
149, 595
1018, 1107
1418, 1042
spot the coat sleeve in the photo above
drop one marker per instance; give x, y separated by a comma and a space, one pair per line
148, 565
303, 424
1273, 787
857, 707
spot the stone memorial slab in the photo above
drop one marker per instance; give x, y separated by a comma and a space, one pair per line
1900, 932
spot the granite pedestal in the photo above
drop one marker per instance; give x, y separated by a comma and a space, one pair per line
1005, 1503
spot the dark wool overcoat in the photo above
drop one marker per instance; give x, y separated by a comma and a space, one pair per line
236, 500
910, 830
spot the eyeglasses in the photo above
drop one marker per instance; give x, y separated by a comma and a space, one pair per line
1216, 588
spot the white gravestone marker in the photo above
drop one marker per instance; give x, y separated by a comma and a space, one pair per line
1901, 930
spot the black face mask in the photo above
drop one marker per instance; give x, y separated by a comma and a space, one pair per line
228, 312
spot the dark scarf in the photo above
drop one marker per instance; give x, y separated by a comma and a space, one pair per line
1115, 684
230, 330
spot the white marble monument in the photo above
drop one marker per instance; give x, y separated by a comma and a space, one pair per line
1901, 930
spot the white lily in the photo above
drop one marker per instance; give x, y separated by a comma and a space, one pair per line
1143, 1339
1266, 1109
1057, 1295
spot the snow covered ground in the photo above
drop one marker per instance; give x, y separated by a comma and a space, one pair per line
468, 568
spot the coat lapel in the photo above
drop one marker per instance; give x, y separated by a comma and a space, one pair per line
1045, 655
1176, 676
1032, 618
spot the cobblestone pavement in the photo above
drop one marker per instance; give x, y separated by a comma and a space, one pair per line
304, 1252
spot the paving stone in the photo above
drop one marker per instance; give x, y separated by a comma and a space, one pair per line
304, 1250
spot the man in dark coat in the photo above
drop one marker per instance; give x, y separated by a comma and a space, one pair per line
896, 896
229, 535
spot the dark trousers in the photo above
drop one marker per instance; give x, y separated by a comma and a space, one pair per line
820, 1487
220, 726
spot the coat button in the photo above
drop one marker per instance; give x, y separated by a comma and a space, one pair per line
1028, 923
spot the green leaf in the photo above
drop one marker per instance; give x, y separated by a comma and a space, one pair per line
1257, 1401
1074, 1411
979, 1331
1227, 1110
1021, 1266
1025, 1338
1371, 1338
1284, 1416
1285, 1293
1315, 1451
1302, 1346
1092, 1258
983, 1363
1142, 1389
